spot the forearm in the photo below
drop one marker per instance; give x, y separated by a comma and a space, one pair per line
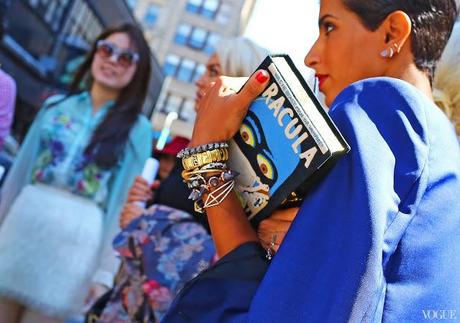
230, 227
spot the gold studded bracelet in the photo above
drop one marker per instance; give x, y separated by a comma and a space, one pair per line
201, 159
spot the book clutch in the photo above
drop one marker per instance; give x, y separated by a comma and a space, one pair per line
286, 143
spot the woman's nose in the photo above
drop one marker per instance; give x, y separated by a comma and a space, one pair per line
201, 82
312, 57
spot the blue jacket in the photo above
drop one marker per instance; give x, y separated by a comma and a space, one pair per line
378, 240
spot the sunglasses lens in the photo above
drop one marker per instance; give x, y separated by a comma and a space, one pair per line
105, 50
125, 59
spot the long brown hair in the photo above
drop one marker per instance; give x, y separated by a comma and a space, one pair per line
109, 139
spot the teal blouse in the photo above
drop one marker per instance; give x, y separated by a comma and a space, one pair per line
66, 130
52, 153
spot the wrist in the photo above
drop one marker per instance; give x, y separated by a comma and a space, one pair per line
203, 138
198, 141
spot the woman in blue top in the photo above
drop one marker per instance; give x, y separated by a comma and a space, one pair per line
378, 239
61, 201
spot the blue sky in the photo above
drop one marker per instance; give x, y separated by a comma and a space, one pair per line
288, 26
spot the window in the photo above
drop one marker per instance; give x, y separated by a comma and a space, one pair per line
151, 15
194, 37
182, 69
198, 72
187, 113
186, 70
36, 33
172, 103
51, 11
210, 8
185, 108
223, 16
171, 64
210, 43
198, 38
83, 23
183, 34
205, 8
193, 6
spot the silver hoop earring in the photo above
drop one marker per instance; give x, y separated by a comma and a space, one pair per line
392, 52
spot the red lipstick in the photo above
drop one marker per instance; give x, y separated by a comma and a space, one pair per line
321, 79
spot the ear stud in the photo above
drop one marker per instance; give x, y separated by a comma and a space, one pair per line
390, 52
387, 53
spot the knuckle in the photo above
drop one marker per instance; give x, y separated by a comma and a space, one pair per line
253, 88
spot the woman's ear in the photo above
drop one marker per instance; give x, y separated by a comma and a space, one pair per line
396, 29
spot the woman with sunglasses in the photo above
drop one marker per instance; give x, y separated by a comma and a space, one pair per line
378, 239
61, 200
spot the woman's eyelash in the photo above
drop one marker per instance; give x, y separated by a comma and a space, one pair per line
214, 71
328, 27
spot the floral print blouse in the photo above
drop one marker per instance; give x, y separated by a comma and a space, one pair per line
67, 129
161, 251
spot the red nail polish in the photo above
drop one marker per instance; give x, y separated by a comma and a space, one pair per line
262, 76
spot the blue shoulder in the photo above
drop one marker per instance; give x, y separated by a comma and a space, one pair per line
386, 120
394, 107
374, 94
53, 99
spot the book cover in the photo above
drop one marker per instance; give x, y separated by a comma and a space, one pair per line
286, 143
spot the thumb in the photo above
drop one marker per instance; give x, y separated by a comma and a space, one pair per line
156, 183
253, 87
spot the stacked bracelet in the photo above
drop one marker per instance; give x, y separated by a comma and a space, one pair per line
200, 159
217, 187
186, 152
206, 172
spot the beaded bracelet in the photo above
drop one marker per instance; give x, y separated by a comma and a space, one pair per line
186, 152
201, 185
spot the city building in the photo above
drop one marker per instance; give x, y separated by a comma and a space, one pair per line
182, 34
45, 42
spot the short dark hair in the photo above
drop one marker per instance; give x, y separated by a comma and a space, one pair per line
432, 23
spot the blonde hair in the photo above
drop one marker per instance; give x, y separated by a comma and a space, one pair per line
447, 79
239, 56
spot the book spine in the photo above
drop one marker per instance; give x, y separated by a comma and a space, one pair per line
299, 110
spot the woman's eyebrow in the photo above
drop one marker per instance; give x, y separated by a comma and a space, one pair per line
324, 17
213, 65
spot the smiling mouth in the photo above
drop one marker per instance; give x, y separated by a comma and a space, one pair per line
198, 96
108, 71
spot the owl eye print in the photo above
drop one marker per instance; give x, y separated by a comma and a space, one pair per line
248, 135
266, 166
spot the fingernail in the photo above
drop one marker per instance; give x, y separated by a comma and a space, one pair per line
262, 76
